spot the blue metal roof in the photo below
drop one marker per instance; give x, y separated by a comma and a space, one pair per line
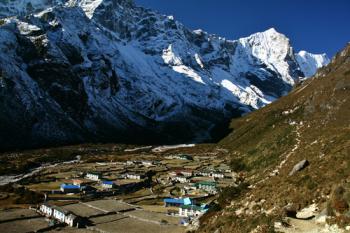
107, 182
69, 186
182, 201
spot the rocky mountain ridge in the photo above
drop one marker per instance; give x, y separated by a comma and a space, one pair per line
108, 70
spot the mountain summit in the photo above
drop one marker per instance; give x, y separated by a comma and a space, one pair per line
92, 70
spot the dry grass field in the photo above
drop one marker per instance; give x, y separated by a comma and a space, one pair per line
7, 215
132, 225
26, 225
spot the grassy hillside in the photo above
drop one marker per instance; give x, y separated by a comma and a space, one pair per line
312, 123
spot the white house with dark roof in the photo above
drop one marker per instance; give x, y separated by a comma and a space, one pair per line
217, 174
134, 176
192, 210
71, 220
59, 214
180, 178
46, 209
93, 176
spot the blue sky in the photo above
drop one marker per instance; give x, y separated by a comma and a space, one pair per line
314, 25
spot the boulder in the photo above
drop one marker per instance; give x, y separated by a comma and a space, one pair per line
299, 166
308, 212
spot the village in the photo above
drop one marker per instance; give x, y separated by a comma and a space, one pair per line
145, 190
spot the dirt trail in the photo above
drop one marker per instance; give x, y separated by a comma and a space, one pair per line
308, 226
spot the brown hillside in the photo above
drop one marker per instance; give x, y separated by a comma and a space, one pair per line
312, 123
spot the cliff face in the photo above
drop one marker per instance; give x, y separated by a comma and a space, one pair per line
107, 70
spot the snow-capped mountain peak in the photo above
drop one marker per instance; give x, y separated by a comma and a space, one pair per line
109, 70
273, 49
88, 6
309, 63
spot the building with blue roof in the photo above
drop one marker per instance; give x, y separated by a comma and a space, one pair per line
108, 184
177, 201
70, 188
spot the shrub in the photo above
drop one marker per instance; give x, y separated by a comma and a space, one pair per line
338, 202
163, 222
28, 197
237, 164
230, 193
340, 205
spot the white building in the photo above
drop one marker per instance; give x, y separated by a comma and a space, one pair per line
133, 176
147, 163
93, 176
181, 179
59, 214
191, 211
210, 173
71, 220
217, 175
46, 209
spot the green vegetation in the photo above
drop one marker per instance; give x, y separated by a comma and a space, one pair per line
22, 195
237, 165
231, 193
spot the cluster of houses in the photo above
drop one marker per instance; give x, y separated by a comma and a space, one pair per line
81, 185
187, 176
180, 157
208, 186
133, 175
60, 215
215, 174
187, 208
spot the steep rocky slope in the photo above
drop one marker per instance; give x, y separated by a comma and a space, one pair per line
107, 70
311, 123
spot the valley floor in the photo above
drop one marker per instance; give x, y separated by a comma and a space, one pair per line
140, 180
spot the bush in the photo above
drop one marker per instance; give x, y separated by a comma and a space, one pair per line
163, 222
28, 197
339, 203
230, 193
237, 165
